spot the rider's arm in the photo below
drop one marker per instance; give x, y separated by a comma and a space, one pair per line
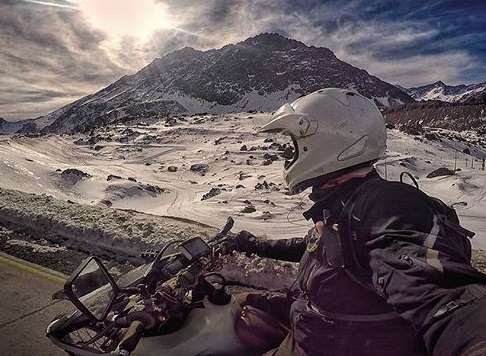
421, 269
286, 250
279, 249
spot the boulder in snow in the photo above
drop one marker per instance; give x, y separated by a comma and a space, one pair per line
442, 171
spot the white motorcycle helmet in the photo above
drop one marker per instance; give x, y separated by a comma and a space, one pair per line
332, 130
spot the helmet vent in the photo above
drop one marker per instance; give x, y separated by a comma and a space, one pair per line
356, 149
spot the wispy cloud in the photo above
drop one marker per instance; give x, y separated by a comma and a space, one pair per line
54, 4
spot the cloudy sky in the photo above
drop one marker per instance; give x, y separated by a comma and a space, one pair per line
55, 51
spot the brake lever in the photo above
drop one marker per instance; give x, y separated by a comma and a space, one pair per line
224, 231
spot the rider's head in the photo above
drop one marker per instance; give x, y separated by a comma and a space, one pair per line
334, 131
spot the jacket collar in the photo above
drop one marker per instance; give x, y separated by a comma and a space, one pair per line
334, 198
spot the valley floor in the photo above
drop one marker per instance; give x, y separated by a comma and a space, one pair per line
205, 168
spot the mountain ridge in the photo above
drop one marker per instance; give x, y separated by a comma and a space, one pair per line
462, 93
259, 73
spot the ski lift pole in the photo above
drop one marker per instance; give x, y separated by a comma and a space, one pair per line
455, 160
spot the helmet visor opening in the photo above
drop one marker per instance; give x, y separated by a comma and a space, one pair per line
291, 152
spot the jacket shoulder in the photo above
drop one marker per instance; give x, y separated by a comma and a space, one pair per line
388, 200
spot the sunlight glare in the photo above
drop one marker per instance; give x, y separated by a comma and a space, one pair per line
134, 18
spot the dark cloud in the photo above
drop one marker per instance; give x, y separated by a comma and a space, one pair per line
51, 55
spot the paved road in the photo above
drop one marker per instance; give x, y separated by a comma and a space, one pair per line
26, 308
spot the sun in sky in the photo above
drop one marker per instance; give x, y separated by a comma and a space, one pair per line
134, 18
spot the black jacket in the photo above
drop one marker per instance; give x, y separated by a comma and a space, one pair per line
407, 273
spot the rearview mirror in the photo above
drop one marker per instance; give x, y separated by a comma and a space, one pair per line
91, 289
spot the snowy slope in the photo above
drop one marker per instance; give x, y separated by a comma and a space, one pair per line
246, 181
260, 73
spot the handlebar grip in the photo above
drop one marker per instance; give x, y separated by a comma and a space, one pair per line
131, 338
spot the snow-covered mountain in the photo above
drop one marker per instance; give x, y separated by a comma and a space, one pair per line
11, 127
28, 126
259, 73
440, 91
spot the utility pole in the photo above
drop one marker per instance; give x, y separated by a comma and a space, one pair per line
455, 160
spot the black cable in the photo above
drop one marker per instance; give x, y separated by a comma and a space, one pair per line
411, 177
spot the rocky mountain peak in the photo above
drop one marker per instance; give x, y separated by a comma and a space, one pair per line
439, 83
260, 73
271, 41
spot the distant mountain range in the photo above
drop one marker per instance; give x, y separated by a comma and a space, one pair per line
459, 107
471, 94
260, 73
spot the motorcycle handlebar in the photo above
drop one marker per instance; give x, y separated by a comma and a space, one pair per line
131, 338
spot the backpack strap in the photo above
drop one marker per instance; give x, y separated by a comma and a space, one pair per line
347, 234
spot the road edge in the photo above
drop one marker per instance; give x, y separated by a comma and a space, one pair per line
32, 268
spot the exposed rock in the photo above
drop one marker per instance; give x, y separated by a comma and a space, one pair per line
170, 121
212, 192
270, 156
248, 209
443, 171
239, 186
432, 136
263, 185
125, 190
80, 142
276, 146
200, 168
269, 202
266, 215
466, 151
132, 179
243, 175
106, 202
93, 140
98, 147
156, 190
112, 177
73, 175
267, 140
219, 140
172, 169
243, 148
